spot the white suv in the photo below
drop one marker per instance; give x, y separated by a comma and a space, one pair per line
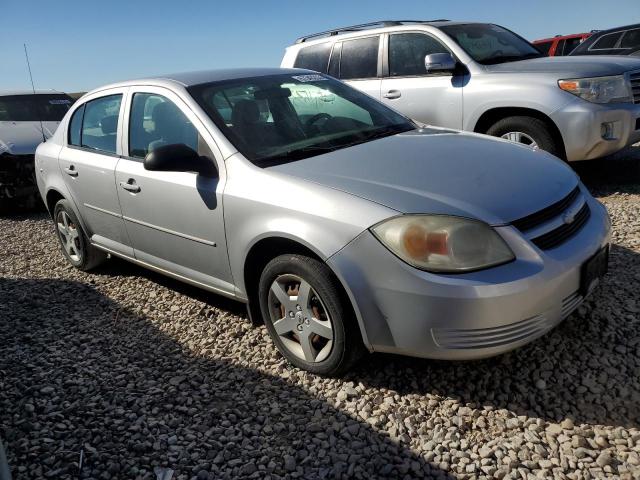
484, 78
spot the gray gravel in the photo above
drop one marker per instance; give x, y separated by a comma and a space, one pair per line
146, 376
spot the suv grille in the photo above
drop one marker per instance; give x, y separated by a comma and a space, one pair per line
634, 77
561, 233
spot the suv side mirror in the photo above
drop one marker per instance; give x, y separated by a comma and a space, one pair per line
439, 63
178, 157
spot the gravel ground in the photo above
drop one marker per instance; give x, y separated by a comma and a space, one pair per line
147, 377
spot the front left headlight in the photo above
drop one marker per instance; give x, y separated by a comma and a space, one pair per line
443, 244
614, 89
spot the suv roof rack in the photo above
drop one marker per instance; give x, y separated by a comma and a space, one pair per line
365, 26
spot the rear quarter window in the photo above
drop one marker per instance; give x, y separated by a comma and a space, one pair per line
314, 57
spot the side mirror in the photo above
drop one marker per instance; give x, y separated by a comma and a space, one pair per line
439, 63
178, 157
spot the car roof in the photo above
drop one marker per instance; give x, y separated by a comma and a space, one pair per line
6, 93
616, 29
563, 37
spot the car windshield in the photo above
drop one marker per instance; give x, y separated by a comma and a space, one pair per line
490, 44
29, 108
286, 117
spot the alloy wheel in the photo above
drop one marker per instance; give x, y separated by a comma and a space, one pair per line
521, 137
69, 236
300, 318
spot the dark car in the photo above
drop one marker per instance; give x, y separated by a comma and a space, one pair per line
616, 41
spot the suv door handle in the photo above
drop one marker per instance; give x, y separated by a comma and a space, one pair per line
391, 94
71, 171
130, 186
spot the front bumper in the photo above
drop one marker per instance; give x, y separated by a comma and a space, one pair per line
408, 311
581, 125
17, 176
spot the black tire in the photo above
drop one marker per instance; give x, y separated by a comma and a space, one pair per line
347, 347
87, 256
538, 130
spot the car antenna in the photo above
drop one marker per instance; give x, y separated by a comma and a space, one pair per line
33, 88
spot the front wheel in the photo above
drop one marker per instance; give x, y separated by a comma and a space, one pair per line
529, 131
308, 316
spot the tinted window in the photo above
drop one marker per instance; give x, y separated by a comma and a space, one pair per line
315, 57
283, 118
100, 123
359, 58
407, 52
631, 39
156, 121
543, 47
570, 45
606, 41
75, 127
32, 108
334, 63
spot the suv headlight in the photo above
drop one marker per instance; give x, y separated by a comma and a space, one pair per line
613, 89
438, 243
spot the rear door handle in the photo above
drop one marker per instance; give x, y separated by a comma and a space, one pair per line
71, 171
391, 94
130, 186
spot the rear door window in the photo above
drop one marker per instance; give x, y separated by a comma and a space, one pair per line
407, 52
314, 57
359, 58
100, 123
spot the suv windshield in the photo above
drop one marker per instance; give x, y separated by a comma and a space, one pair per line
30, 108
281, 118
490, 44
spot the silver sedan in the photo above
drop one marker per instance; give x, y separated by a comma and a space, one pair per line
343, 225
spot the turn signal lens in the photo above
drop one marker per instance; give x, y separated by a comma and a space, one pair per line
439, 243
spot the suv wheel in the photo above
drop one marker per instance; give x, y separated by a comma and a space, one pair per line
308, 316
74, 243
528, 131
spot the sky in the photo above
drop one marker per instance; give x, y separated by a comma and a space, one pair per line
78, 45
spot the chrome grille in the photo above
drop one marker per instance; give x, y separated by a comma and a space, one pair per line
634, 78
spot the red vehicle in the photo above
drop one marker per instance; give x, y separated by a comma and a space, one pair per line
560, 45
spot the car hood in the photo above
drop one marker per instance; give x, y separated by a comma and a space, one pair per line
443, 172
571, 67
22, 138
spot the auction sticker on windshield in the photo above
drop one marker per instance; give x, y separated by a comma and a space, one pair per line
308, 78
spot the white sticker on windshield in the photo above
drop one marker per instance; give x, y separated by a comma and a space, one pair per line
308, 78
59, 102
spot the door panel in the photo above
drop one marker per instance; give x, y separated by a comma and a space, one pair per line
435, 99
174, 219
90, 174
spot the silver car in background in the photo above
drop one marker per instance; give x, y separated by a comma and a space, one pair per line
484, 78
341, 223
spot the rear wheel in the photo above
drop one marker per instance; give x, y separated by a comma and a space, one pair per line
74, 243
308, 316
529, 131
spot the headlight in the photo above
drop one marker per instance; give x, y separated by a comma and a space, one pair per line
438, 243
599, 89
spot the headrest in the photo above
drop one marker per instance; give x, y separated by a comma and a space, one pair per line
245, 111
109, 124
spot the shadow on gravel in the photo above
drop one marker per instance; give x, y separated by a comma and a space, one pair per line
589, 363
617, 173
76, 369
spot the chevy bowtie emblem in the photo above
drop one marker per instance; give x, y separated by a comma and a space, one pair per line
568, 218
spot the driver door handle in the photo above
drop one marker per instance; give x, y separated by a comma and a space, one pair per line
71, 171
391, 94
130, 186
